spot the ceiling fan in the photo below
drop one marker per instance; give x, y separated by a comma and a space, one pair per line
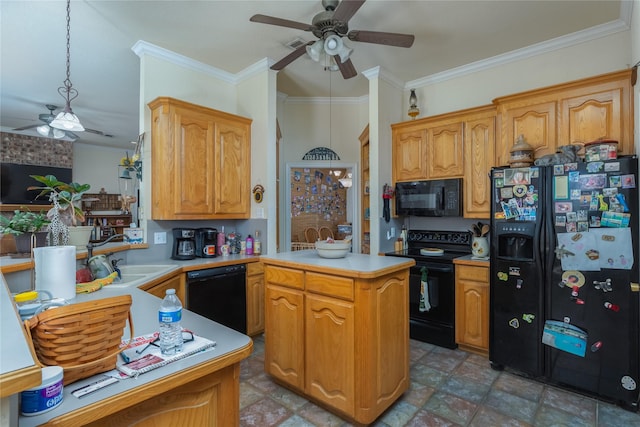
329, 27
51, 132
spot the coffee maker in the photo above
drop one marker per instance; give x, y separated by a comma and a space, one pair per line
206, 242
184, 243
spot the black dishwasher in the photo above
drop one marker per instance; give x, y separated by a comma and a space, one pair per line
219, 294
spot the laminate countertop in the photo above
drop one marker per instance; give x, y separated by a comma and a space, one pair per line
231, 347
353, 265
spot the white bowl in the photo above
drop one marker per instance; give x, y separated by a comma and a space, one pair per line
335, 249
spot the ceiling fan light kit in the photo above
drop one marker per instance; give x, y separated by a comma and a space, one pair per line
329, 27
66, 120
49, 132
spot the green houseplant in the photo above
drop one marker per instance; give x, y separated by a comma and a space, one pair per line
66, 214
25, 226
23, 221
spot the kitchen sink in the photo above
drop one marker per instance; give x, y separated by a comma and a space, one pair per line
138, 274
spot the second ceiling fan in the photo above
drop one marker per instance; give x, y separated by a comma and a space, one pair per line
49, 131
329, 27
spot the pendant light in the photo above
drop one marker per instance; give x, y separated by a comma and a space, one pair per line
66, 120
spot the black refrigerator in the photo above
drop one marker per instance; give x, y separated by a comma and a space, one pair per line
564, 292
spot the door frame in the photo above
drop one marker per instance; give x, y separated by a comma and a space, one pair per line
353, 204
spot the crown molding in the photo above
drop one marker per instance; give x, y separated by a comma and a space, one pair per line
142, 48
384, 75
569, 40
320, 100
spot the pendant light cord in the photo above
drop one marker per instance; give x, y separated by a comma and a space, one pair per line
67, 91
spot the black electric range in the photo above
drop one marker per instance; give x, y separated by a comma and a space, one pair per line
432, 304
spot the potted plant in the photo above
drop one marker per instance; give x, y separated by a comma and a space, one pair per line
66, 214
25, 225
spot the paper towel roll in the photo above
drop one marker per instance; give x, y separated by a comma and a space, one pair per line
56, 270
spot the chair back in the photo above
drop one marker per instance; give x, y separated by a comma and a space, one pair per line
311, 234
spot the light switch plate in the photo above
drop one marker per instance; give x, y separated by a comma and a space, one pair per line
160, 238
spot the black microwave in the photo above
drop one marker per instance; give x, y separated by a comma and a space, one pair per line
442, 197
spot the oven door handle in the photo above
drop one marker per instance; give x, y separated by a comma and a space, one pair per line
442, 268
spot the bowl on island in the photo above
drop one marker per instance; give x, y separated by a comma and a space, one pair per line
333, 248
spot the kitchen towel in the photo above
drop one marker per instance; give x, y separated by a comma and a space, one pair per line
56, 270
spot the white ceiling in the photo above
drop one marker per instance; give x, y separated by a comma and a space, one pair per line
105, 70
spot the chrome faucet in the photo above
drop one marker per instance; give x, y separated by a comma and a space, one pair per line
90, 246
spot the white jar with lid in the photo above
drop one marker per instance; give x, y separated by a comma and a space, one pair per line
46, 396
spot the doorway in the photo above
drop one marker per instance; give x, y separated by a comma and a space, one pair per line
316, 198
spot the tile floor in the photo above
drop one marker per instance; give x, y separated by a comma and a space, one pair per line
448, 388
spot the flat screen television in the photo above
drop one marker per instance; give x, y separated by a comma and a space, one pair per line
15, 179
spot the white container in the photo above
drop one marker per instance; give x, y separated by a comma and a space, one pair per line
134, 235
46, 396
335, 249
55, 268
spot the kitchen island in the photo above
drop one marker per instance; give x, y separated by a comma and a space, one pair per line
202, 389
337, 330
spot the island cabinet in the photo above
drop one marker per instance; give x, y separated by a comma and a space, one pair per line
570, 113
255, 298
472, 307
201, 162
338, 338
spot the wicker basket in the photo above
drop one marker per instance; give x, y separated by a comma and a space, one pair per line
83, 338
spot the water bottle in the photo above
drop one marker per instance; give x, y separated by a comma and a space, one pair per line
169, 316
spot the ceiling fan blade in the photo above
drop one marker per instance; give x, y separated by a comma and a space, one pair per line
346, 9
291, 57
264, 19
27, 127
378, 37
346, 68
97, 132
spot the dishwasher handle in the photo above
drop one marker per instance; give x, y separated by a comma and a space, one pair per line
218, 271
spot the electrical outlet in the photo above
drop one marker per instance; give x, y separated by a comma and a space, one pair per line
160, 238
393, 232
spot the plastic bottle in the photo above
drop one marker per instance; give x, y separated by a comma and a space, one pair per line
222, 240
169, 317
257, 245
249, 249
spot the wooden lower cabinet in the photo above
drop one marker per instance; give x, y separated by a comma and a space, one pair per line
159, 288
472, 308
284, 335
211, 400
255, 298
340, 340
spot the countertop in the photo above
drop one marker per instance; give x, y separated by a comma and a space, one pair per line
144, 313
471, 260
353, 265
10, 265
17, 369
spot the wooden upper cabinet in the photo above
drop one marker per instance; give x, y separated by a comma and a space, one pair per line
594, 115
445, 144
233, 163
479, 143
536, 121
570, 113
409, 154
201, 162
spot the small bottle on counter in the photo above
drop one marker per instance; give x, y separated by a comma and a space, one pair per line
169, 317
222, 240
249, 244
257, 245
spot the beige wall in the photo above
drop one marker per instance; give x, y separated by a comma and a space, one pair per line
87, 157
587, 59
